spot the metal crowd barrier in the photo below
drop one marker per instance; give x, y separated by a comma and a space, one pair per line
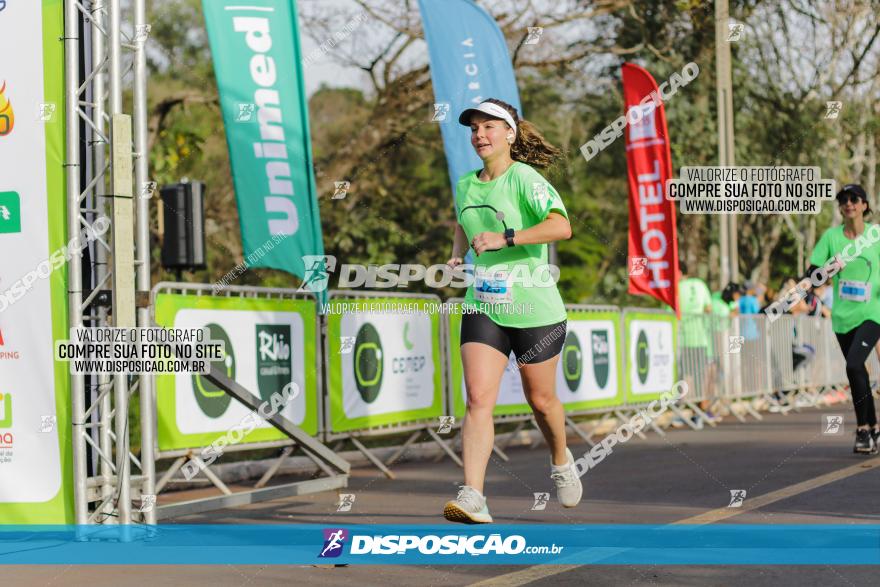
743, 362
190, 447
790, 362
338, 425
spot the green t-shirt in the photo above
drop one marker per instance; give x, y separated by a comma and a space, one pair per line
693, 297
720, 318
851, 306
527, 296
721, 310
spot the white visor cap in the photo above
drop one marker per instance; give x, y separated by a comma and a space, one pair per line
490, 109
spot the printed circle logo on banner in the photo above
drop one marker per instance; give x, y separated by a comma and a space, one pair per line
368, 362
212, 400
643, 356
601, 359
571, 361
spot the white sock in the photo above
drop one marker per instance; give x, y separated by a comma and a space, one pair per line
559, 468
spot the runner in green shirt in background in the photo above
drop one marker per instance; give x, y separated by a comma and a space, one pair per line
695, 304
854, 248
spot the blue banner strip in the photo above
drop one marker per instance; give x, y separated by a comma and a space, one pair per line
469, 63
278, 544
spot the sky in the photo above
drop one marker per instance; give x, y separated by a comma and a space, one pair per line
323, 69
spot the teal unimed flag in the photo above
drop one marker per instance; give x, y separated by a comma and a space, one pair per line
258, 64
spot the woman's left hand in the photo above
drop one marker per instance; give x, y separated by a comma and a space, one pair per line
488, 241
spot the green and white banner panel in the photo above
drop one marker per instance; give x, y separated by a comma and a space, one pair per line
383, 365
35, 458
650, 361
269, 343
590, 373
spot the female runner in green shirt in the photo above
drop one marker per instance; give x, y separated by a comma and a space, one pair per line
855, 313
508, 213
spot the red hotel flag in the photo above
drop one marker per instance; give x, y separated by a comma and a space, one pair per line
653, 243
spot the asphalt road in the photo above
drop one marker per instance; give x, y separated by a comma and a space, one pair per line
791, 472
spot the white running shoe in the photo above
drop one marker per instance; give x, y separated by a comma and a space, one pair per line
468, 508
569, 488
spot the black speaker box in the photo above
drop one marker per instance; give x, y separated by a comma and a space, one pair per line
183, 245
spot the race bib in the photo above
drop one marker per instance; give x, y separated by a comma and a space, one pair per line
493, 287
854, 291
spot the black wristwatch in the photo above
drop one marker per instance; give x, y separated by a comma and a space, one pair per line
508, 235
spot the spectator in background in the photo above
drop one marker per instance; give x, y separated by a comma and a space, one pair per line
762, 294
815, 304
801, 353
748, 303
731, 294
827, 296
770, 297
723, 307
749, 326
695, 303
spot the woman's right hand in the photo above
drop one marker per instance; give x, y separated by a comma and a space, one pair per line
455, 262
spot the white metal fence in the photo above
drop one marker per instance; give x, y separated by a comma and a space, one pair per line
745, 357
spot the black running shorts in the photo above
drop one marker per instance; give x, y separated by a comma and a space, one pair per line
529, 345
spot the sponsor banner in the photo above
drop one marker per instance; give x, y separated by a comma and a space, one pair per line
258, 64
268, 344
35, 458
383, 368
589, 374
421, 544
650, 347
652, 236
